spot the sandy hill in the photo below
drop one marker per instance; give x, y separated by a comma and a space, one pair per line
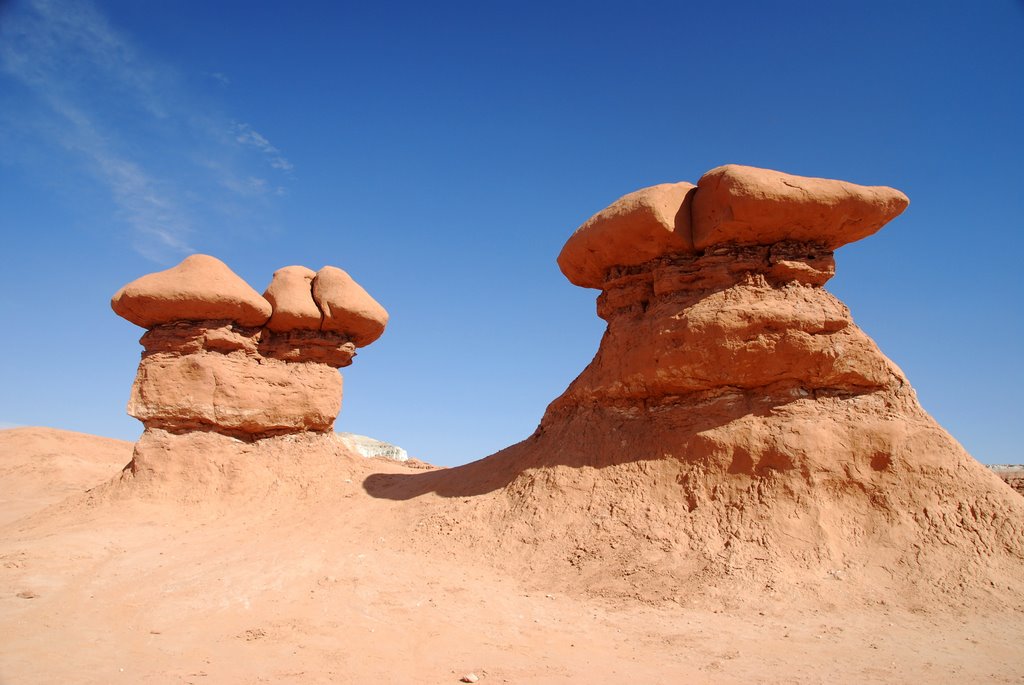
42, 466
327, 584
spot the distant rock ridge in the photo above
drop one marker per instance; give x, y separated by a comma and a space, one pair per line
222, 358
371, 447
1013, 474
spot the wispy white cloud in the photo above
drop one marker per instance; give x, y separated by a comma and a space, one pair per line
246, 135
220, 78
250, 185
140, 131
62, 45
158, 222
147, 205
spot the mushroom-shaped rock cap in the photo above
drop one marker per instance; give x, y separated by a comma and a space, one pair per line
750, 206
290, 293
634, 229
201, 288
347, 308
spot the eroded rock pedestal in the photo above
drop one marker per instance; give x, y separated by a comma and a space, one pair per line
731, 319
220, 358
736, 430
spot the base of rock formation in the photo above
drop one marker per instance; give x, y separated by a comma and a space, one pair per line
210, 467
301, 576
724, 498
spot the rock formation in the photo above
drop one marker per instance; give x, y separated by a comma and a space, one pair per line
221, 358
1013, 474
732, 306
371, 447
736, 428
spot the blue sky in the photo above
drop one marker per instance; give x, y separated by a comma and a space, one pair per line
442, 153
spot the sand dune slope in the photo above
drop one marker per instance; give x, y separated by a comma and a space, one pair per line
302, 569
41, 466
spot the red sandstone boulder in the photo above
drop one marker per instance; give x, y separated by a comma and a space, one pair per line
750, 206
200, 288
232, 394
634, 229
347, 308
290, 293
200, 376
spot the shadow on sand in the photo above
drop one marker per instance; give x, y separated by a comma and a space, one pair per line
594, 437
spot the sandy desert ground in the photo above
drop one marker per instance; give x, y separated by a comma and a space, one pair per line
324, 582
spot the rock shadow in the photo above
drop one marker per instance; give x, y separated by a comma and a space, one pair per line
597, 438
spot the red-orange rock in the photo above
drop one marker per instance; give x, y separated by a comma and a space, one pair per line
736, 317
750, 206
638, 227
326, 347
347, 308
200, 288
668, 337
195, 376
208, 366
290, 293
234, 394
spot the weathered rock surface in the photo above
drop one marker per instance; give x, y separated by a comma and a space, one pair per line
636, 228
325, 347
201, 288
729, 320
749, 206
290, 293
232, 392
206, 367
347, 308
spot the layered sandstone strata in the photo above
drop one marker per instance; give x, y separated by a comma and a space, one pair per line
220, 357
732, 305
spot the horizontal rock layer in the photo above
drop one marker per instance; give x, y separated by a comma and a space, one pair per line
744, 318
1012, 475
246, 382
